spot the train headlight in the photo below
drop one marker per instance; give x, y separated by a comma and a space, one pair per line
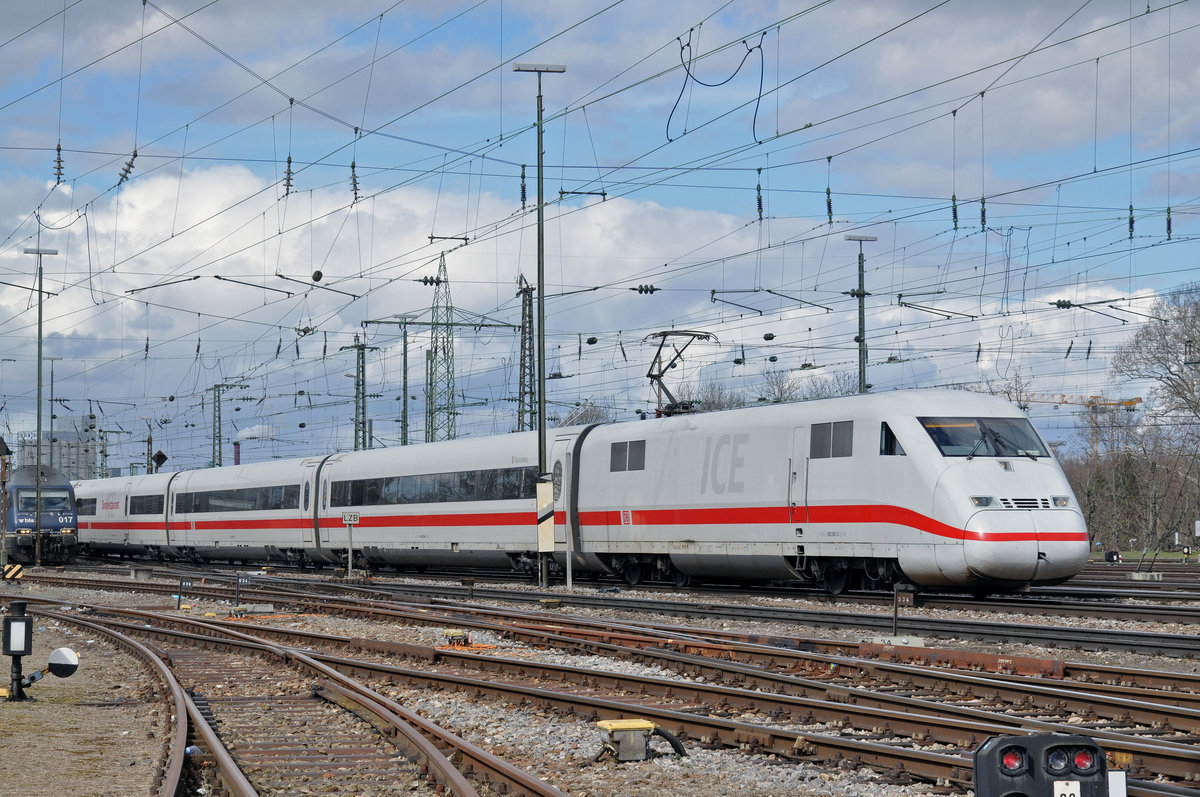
1061, 501
24, 531
1057, 761
982, 500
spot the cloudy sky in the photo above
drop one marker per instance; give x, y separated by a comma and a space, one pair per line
197, 162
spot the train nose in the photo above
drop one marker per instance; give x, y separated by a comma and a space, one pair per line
1024, 546
1001, 546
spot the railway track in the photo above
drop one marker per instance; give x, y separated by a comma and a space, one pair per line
908, 623
793, 698
265, 720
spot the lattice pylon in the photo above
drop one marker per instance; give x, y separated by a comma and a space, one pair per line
439, 385
526, 403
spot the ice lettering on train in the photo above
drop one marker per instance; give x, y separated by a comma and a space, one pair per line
723, 464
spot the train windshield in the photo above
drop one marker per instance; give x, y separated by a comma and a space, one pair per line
984, 437
52, 500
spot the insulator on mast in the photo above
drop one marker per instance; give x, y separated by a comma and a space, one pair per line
758, 188
128, 168
287, 177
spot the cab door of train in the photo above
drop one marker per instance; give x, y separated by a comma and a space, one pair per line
798, 478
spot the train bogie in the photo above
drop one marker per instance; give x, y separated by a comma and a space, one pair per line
938, 488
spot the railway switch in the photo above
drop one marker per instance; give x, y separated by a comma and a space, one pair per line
1054, 765
456, 637
629, 740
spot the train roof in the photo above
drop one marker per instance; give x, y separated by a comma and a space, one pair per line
27, 474
910, 402
887, 404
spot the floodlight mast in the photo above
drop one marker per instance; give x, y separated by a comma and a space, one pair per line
861, 294
544, 564
541, 266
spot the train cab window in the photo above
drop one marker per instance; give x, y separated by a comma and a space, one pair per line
627, 456
85, 507
831, 440
984, 437
52, 500
889, 446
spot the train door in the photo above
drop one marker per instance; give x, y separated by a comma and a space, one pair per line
564, 468
798, 480
562, 461
308, 503
322, 506
168, 507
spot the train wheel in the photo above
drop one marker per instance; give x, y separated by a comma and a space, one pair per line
633, 572
679, 578
834, 580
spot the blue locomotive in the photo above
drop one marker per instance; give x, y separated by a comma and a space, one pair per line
58, 526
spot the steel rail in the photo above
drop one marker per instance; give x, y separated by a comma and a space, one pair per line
172, 772
881, 712
409, 726
1051, 636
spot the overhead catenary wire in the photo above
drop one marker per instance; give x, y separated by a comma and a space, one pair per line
755, 251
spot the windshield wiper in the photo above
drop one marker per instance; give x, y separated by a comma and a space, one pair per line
1000, 442
982, 439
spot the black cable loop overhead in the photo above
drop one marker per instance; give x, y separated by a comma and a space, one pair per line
690, 77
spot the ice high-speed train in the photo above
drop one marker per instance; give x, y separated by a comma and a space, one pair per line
939, 488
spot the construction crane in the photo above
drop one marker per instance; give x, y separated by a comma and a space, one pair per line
1093, 404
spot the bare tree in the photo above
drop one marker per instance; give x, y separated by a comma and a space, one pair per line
709, 396
778, 386
840, 384
586, 412
1162, 350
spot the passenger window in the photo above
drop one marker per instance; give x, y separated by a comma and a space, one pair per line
637, 455
619, 457
307, 490
843, 434
831, 440
889, 446
819, 443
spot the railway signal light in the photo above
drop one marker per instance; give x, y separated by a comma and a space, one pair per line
1050, 764
18, 643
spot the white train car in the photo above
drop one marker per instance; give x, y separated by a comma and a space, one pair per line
468, 502
944, 488
125, 515
940, 488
